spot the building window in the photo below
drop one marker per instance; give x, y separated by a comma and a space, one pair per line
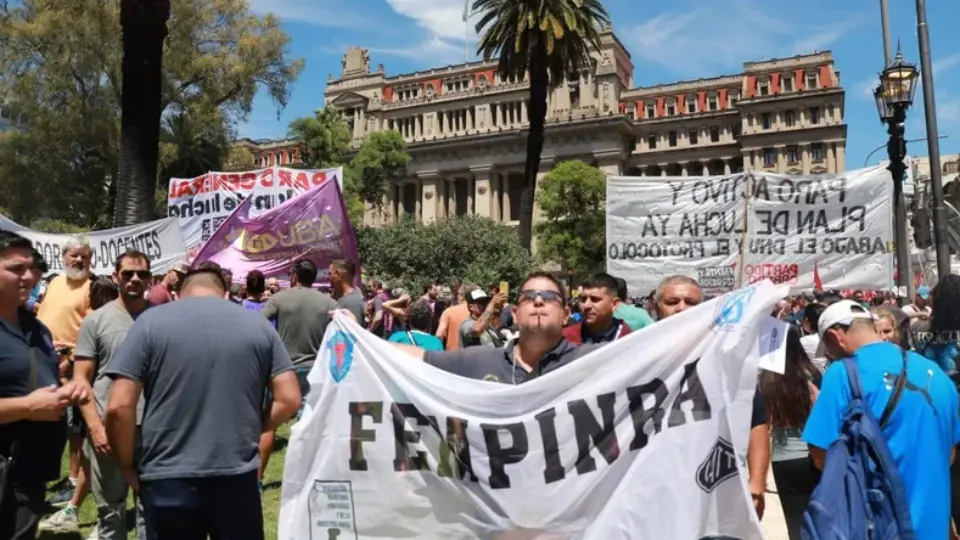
816, 152
793, 155
691, 105
712, 103
693, 136
672, 136
814, 115
714, 134
671, 107
764, 88
786, 83
829, 111
812, 83
651, 110
736, 131
769, 157
766, 120
652, 141
790, 118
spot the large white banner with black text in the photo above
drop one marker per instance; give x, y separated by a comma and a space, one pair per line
160, 240
739, 229
644, 438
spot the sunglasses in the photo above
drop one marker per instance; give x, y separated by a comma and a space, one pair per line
531, 295
127, 275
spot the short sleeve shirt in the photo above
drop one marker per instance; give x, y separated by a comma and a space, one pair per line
41, 443
101, 335
499, 365
203, 389
921, 432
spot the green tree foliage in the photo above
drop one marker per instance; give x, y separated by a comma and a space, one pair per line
547, 39
60, 64
324, 138
382, 158
573, 231
412, 254
56, 226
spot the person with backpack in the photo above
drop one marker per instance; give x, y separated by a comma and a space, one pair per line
883, 431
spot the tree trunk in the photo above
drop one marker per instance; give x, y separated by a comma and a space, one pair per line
536, 117
144, 24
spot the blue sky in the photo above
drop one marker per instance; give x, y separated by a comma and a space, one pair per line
686, 39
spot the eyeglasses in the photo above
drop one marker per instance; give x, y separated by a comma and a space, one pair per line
127, 275
531, 295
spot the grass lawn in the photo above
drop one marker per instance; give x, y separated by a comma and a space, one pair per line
270, 496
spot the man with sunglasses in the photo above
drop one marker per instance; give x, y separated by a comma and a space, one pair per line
539, 348
99, 339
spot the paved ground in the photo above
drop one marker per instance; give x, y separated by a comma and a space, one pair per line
774, 527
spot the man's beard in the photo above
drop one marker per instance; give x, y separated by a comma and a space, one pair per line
76, 274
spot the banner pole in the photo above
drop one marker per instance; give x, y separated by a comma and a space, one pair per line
744, 241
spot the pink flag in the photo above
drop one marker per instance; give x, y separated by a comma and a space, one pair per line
312, 225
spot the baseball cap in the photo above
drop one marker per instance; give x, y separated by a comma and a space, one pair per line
477, 295
923, 292
843, 312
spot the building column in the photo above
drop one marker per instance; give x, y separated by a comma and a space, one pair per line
483, 191
841, 158
611, 166
683, 169
663, 169
430, 196
831, 149
726, 166
523, 112
781, 158
471, 119
495, 111
505, 198
362, 124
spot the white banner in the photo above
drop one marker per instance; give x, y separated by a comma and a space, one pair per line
203, 203
742, 228
160, 240
390, 447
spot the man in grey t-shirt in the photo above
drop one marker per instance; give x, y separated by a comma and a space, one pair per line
343, 274
204, 385
302, 315
100, 336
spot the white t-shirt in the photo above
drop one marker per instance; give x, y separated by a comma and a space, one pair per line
913, 310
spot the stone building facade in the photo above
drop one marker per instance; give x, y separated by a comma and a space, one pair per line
465, 127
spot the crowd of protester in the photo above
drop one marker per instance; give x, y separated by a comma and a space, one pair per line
173, 385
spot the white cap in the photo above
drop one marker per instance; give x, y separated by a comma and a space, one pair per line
477, 295
843, 312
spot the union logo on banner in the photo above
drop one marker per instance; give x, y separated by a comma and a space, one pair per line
341, 354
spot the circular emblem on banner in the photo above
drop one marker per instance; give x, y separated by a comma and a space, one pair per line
731, 308
340, 347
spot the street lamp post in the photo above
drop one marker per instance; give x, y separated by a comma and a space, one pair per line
894, 95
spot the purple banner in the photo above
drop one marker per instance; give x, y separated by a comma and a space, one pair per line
313, 225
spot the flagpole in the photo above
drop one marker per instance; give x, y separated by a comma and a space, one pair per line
466, 31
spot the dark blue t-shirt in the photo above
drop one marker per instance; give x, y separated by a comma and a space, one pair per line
41, 443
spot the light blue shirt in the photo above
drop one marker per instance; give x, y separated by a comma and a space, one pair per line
423, 340
921, 432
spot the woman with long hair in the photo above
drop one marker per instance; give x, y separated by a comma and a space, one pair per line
789, 398
940, 339
886, 325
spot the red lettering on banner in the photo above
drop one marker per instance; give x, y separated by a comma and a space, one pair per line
777, 273
245, 182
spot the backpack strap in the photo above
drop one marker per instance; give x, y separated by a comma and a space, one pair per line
853, 377
897, 392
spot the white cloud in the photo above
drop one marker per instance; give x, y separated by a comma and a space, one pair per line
434, 49
723, 34
942, 65
442, 18
330, 13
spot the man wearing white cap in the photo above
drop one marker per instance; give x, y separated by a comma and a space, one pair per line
923, 428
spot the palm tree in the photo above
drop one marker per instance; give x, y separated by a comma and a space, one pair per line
547, 39
144, 24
